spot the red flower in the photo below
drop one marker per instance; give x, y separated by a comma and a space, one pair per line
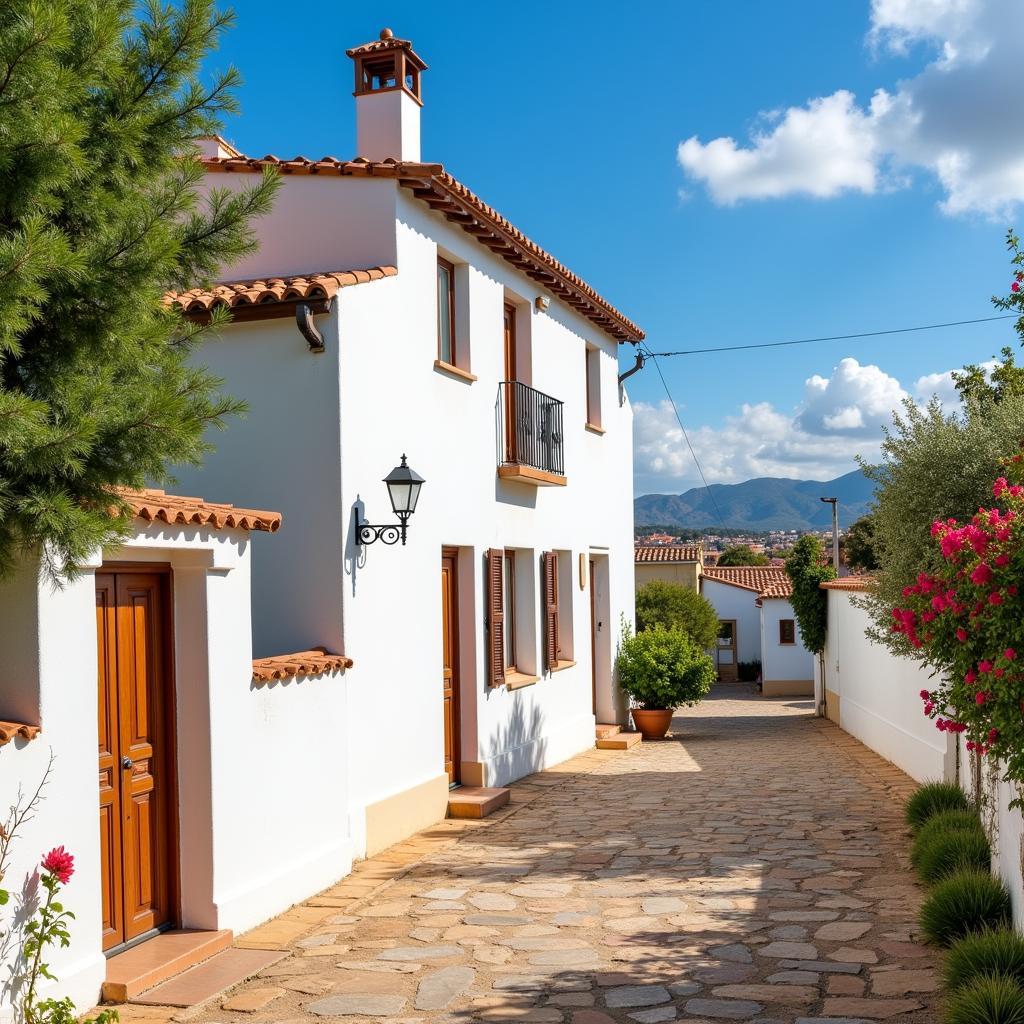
60, 863
1009, 654
1015, 287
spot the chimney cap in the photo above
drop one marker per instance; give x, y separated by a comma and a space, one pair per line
386, 33
388, 42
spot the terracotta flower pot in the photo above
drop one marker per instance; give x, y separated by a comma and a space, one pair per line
653, 725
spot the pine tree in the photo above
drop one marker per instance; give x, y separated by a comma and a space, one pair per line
101, 213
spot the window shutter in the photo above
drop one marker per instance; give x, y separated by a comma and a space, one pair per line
551, 609
496, 616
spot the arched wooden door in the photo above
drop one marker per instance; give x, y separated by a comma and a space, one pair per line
136, 755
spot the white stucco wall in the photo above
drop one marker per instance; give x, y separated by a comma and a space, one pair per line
878, 693
782, 661
737, 603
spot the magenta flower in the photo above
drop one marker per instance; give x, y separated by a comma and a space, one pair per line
60, 863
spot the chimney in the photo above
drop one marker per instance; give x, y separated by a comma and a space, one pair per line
388, 98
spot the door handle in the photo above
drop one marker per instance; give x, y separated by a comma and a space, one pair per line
127, 763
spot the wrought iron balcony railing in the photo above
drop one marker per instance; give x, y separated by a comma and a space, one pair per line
529, 428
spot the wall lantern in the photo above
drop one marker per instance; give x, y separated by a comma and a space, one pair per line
404, 491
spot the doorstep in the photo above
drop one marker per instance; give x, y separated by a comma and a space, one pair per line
618, 741
476, 801
604, 729
201, 983
150, 963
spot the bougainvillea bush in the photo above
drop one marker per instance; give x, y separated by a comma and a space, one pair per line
966, 620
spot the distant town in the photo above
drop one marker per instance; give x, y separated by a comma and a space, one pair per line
772, 544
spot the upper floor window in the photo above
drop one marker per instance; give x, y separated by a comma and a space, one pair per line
593, 385
787, 631
446, 311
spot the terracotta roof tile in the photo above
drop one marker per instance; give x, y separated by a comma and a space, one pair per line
273, 289
433, 185
668, 553
8, 730
302, 663
851, 583
387, 41
764, 580
152, 505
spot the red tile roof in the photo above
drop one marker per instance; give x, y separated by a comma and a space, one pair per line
433, 185
764, 580
851, 583
387, 41
667, 553
8, 730
235, 294
302, 663
152, 505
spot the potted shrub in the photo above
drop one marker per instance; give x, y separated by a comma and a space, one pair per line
660, 670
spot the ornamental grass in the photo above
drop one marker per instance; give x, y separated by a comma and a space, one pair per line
945, 853
942, 824
933, 798
987, 953
987, 1000
966, 902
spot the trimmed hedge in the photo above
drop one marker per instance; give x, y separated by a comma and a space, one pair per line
932, 798
969, 901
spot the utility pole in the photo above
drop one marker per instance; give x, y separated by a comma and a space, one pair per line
834, 502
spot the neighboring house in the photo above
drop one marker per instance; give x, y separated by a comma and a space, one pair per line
678, 563
758, 624
389, 311
205, 810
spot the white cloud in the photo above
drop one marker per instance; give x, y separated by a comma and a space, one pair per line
959, 120
839, 417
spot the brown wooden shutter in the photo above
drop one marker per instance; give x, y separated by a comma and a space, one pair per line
496, 616
551, 609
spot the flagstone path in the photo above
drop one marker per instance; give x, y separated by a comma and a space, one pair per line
751, 868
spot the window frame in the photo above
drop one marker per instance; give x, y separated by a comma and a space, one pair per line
791, 623
508, 599
449, 268
592, 379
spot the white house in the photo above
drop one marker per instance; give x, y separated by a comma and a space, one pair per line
193, 739
758, 624
390, 312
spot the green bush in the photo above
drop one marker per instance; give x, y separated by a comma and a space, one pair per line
932, 798
969, 901
663, 668
942, 824
989, 1000
945, 854
985, 953
748, 671
677, 607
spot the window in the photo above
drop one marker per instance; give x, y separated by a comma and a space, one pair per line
726, 633
552, 639
446, 311
787, 631
593, 384
511, 617
509, 605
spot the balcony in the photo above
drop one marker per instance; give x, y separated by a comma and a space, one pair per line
529, 436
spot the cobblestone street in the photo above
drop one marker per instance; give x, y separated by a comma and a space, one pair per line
753, 867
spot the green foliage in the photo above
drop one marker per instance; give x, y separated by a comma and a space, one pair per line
942, 824
676, 607
941, 855
805, 566
982, 388
100, 215
988, 1000
859, 545
969, 901
663, 668
998, 952
934, 798
1013, 302
742, 554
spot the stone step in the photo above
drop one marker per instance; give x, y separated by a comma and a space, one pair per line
201, 983
154, 961
603, 730
620, 741
476, 801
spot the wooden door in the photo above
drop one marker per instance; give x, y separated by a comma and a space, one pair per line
450, 661
593, 637
135, 753
728, 645
511, 447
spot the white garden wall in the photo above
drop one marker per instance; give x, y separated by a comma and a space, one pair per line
740, 604
788, 662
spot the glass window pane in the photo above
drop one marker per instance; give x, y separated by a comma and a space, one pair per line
510, 611
444, 314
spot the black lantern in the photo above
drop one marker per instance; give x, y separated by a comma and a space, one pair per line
403, 486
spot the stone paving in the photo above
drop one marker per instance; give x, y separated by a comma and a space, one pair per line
753, 868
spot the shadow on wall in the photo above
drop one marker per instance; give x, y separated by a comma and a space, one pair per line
519, 742
355, 553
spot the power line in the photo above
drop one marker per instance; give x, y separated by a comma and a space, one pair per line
834, 337
675, 409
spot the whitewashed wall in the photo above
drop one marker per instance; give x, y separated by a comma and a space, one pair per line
782, 661
878, 693
737, 603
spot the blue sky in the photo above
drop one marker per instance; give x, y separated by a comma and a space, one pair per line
568, 118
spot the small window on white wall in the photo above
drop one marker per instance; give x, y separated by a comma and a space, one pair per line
593, 383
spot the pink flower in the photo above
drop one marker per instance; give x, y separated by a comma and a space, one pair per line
993, 735
984, 666
995, 597
1015, 286
1009, 654
60, 863
982, 574
961, 635
999, 673
1002, 560
925, 695
980, 697
999, 486
970, 677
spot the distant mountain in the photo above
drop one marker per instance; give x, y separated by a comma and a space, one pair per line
767, 503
